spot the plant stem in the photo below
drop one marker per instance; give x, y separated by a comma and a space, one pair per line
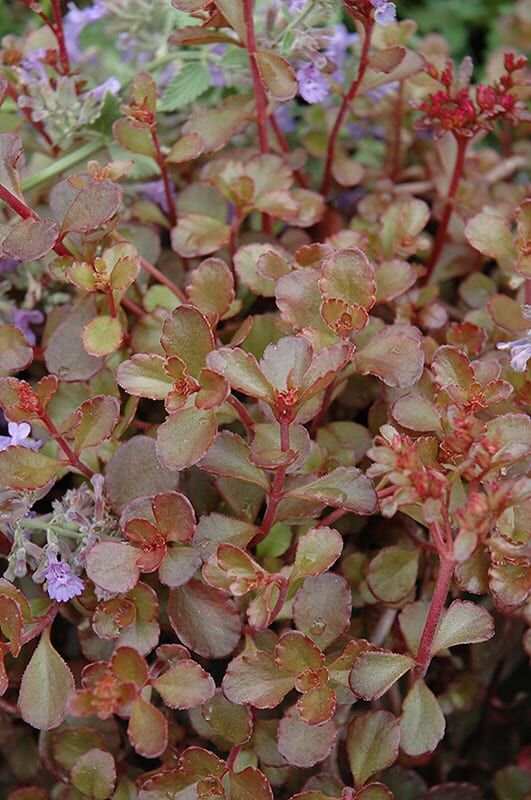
259, 91
161, 161
24, 211
41, 624
129, 305
64, 163
462, 144
59, 33
442, 587
110, 302
348, 98
327, 399
275, 494
243, 414
396, 131
338, 513
73, 458
284, 146
163, 279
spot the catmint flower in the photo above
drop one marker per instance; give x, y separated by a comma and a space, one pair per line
520, 349
338, 44
313, 86
23, 319
110, 85
18, 436
285, 118
76, 20
8, 265
384, 12
217, 75
296, 5
61, 583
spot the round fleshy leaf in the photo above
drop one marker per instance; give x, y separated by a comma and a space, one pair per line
113, 566
30, 239
254, 678
94, 774
322, 608
186, 333
102, 336
143, 375
304, 745
185, 437
185, 685
374, 672
278, 76
392, 573
147, 729
204, 619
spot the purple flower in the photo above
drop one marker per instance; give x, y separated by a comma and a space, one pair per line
22, 319
8, 265
18, 436
285, 118
313, 86
62, 584
520, 350
384, 12
110, 85
337, 48
154, 191
75, 20
296, 5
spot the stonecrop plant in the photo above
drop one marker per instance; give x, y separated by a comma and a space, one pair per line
265, 373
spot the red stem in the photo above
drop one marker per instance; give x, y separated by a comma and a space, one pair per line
59, 33
462, 144
275, 494
129, 305
396, 131
163, 279
42, 623
161, 161
73, 459
338, 513
348, 98
24, 211
442, 587
110, 302
259, 91
327, 399
284, 146
243, 414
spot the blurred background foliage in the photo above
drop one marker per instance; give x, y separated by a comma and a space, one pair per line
470, 26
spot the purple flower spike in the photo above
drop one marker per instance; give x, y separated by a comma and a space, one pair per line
62, 584
75, 20
8, 265
18, 437
313, 86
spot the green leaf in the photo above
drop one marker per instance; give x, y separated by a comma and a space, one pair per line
15, 351
191, 82
304, 745
422, 722
30, 239
374, 672
94, 421
94, 774
102, 336
229, 456
372, 744
46, 687
233, 722
276, 542
109, 112
317, 550
205, 619
186, 333
463, 623
185, 437
277, 75
322, 608
256, 679
135, 137
185, 685
344, 487
512, 783
22, 468
10, 160
112, 566
147, 729
392, 573
143, 375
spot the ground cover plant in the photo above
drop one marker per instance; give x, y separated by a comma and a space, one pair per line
265, 325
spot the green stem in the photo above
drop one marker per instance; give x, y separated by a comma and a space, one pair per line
62, 164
